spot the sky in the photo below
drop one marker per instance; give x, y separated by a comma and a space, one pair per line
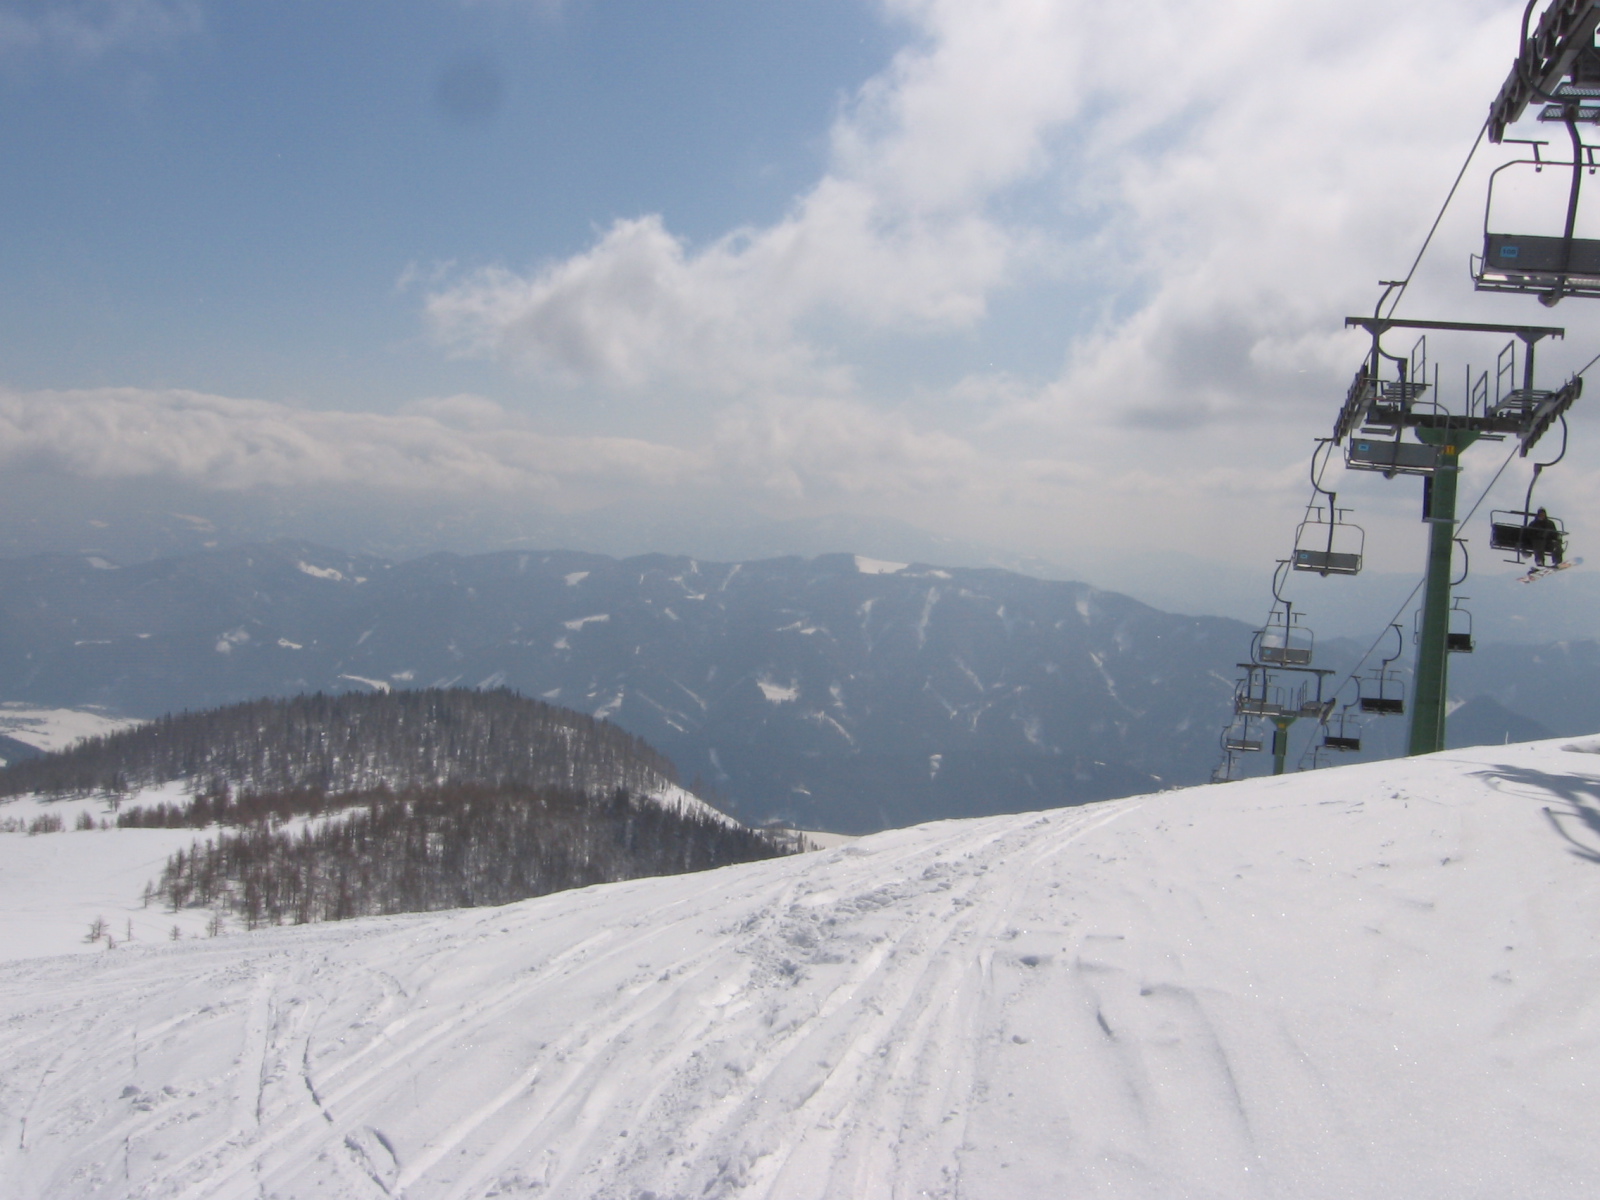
1062, 277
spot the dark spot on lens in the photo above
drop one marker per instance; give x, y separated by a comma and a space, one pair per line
470, 91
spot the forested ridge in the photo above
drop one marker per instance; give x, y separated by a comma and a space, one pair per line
444, 847
324, 807
356, 742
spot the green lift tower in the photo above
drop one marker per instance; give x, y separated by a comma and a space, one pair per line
1389, 397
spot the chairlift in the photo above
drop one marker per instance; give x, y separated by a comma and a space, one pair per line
1284, 642
1458, 637
1386, 695
1328, 545
1324, 542
1223, 771
1349, 736
1558, 64
1244, 736
1521, 531
1549, 265
1512, 530
1383, 692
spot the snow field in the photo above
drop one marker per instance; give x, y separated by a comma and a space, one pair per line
1379, 980
56, 728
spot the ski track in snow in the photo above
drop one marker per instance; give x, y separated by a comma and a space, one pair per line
1380, 980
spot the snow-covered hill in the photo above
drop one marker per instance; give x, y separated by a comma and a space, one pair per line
1376, 981
56, 728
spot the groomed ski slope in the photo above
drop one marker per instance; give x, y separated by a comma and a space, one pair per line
1376, 981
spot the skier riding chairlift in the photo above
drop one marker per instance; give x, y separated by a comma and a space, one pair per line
1542, 538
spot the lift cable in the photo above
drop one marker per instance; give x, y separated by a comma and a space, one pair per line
1434, 228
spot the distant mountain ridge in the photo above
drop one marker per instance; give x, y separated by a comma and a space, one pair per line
836, 692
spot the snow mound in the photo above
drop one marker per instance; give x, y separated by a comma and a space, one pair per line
1378, 980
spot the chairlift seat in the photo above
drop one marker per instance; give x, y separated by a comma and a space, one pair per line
1526, 263
1255, 706
1458, 643
1508, 530
1244, 745
1327, 562
1335, 742
1385, 705
1286, 656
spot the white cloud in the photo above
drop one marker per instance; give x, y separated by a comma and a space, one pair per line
1191, 194
452, 445
87, 30
1227, 176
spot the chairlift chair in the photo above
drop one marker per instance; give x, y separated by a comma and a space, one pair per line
1458, 638
1383, 692
1243, 736
1284, 642
1327, 545
1349, 736
1508, 530
1547, 265
1387, 695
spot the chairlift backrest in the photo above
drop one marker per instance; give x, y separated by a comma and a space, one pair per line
1391, 457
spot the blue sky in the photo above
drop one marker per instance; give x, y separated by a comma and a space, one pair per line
228, 206
1061, 276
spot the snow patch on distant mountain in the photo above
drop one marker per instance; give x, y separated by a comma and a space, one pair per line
579, 622
57, 728
878, 566
681, 800
778, 693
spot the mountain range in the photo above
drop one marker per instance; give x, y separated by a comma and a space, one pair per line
837, 692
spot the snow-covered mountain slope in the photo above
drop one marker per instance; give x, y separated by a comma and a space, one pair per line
56, 728
1376, 981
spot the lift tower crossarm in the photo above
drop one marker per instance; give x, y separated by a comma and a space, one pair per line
1378, 326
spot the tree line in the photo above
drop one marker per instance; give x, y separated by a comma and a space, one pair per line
426, 848
351, 742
